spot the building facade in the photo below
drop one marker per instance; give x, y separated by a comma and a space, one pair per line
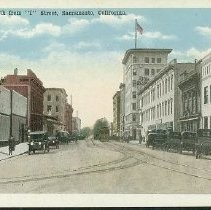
32, 88
206, 92
122, 109
139, 66
76, 125
13, 113
190, 87
68, 118
160, 99
116, 114
55, 101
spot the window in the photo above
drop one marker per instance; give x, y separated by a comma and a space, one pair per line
205, 122
162, 108
153, 72
134, 106
49, 108
134, 94
166, 85
162, 87
158, 60
158, 111
134, 83
133, 117
134, 73
153, 60
146, 60
206, 95
171, 81
57, 108
146, 72
171, 106
165, 108
49, 97
57, 98
158, 91
168, 107
135, 60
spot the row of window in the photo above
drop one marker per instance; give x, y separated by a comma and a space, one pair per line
205, 122
164, 87
148, 60
50, 108
190, 102
127, 118
49, 98
161, 110
206, 70
206, 95
152, 72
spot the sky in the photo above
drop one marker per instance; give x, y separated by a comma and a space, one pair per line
83, 54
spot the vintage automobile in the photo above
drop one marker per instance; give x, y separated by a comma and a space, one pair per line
38, 140
63, 137
156, 138
173, 141
203, 144
188, 141
53, 142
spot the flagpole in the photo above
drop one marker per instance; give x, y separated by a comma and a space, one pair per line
135, 33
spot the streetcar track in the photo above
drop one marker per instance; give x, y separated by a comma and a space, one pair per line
79, 171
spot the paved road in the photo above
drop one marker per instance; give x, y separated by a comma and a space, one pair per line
110, 167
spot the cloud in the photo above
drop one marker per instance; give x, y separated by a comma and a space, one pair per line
75, 25
189, 55
12, 21
40, 29
86, 45
117, 21
204, 30
147, 35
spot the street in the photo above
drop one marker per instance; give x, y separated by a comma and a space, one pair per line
105, 167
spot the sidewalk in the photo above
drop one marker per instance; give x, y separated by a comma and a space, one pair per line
19, 150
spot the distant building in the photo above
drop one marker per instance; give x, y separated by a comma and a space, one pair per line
13, 112
160, 99
206, 91
140, 65
32, 88
55, 101
76, 125
68, 118
122, 109
190, 108
116, 114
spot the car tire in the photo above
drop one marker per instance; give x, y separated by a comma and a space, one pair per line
29, 152
34, 151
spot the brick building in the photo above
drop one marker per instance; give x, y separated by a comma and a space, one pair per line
32, 88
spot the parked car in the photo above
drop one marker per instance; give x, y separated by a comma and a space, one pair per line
188, 141
38, 140
203, 145
63, 137
156, 138
53, 142
173, 141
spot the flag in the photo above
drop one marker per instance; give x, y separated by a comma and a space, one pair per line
139, 28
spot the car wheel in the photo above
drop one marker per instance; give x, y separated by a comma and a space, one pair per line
29, 152
34, 151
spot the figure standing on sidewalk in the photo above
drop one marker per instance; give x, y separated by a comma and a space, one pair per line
11, 144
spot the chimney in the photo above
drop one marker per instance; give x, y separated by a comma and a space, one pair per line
16, 71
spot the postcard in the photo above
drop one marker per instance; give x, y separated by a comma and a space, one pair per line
105, 104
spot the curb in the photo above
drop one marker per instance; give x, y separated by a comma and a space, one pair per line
14, 156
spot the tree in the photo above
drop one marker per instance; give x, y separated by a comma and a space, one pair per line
85, 132
101, 129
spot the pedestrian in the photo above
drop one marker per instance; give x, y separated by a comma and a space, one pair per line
11, 144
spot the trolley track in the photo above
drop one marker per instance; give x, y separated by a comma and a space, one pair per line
125, 162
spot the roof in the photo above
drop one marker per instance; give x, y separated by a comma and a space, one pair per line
130, 51
57, 89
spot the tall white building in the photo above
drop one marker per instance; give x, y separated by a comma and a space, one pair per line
140, 65
206, 91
